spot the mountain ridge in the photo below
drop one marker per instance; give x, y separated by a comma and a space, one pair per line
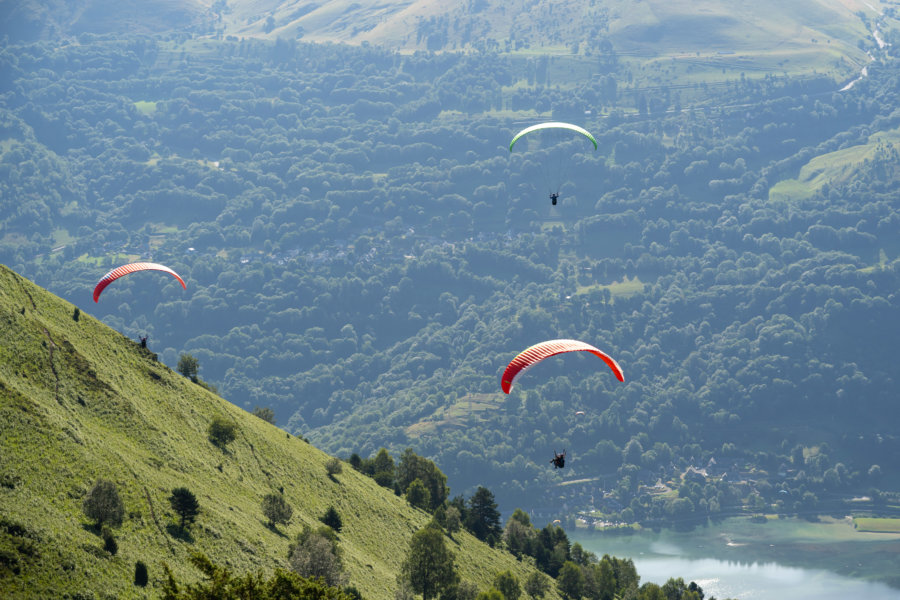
676, 40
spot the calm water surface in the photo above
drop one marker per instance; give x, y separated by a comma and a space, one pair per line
699, 557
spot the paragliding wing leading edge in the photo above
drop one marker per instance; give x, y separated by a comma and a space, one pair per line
538, 352
553, 125
131, 268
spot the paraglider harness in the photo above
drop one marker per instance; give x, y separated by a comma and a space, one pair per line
553, 198
559, 460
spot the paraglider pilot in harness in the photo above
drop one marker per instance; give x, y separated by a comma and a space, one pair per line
554, 197
559, 460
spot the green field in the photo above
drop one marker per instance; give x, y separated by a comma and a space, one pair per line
467, 410
145, 107
877, 525
835, 167
618, 289
62, 236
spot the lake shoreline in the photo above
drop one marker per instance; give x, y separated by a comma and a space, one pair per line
780, 549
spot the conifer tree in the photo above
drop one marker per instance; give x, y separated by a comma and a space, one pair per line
185, 503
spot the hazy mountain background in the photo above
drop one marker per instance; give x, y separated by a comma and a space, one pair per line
57, 19
788, 35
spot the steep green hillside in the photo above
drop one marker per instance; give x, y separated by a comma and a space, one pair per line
79, 402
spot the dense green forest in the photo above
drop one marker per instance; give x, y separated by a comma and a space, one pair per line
363, 255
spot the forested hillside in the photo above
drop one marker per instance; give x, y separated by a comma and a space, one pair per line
364, 255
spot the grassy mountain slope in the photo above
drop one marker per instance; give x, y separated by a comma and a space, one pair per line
799, 36
672, 41
79, 401
696, 42
52, 19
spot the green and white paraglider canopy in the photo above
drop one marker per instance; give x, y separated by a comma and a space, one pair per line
553, 125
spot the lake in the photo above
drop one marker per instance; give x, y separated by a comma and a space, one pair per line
784, 558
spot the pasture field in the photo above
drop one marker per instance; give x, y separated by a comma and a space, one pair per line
145, 107
836, 167
618, 289
465, 411
877, 524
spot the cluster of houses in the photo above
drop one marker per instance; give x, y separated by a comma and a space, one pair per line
598, 502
